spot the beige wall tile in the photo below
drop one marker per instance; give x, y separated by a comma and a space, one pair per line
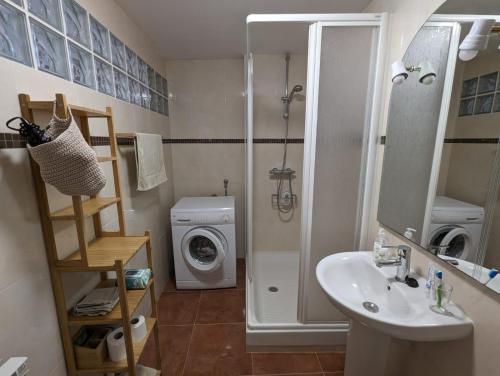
25, 290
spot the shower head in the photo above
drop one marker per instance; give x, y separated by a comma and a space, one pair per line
296, 89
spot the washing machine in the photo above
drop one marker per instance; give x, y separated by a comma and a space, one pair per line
204, 242
455, 228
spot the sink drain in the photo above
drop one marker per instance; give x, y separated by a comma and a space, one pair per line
369, 306
273, 289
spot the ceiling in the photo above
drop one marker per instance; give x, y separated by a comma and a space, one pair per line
214, 29
470, 7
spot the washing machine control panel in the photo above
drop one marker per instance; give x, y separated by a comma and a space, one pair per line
194, 219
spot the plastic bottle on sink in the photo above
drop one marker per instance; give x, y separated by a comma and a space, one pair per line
379, 252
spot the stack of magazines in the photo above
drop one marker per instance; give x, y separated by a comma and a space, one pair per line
98, 302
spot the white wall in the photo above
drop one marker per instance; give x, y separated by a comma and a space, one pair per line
477, 355
28, 323
209, 103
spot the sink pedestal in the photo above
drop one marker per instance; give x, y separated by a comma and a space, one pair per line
367, 351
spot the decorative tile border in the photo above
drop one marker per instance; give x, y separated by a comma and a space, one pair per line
61, 38
14, 140
460, 140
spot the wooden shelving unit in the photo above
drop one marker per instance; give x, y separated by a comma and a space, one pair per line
107, 252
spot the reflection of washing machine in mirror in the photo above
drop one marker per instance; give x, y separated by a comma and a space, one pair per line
455, 228
203, 236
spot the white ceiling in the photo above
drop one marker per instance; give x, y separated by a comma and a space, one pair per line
470, 7
210, 29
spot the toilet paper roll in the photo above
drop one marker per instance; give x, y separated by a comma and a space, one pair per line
116, 345
138, 328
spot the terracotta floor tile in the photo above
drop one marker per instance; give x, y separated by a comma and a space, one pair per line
218, 350
276, 363
174, 344
170, 286
221, 306
148, 356
298, 374
240, 274
178, 307
332, 362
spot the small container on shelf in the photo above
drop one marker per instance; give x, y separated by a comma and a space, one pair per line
137, 278
90, 346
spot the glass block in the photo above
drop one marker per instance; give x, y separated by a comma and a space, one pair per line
159, 104
496, 103
104, 74
154, 101
100, 39
142, 70
77, 23
151, 77
13, 35
132, 68
134, 91
50, 50
121, 85
47, 10
484, 104
487, 83
159, 83
165, 107
469, 88
117, 52
145, 97
466, 107
164, 87
82, 69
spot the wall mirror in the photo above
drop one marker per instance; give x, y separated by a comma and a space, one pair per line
441, 171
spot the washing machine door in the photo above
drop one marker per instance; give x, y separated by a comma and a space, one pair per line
203, 249
453, 241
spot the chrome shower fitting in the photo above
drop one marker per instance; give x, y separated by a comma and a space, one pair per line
284, 198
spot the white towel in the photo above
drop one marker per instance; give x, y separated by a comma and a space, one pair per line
149, 161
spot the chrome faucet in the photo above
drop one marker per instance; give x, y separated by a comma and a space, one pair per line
402, 261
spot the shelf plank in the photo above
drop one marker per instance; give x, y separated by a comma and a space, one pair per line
75, 110
103, 252
134, 298
90, 207
106, 158
121, 366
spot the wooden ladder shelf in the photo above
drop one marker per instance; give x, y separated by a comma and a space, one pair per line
107, 252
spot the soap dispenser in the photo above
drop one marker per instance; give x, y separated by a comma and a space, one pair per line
379, 252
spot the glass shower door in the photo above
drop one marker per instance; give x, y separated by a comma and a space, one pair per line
340, 140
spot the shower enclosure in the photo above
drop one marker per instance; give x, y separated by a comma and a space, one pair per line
313, 84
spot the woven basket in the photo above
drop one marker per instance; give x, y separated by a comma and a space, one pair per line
68, 162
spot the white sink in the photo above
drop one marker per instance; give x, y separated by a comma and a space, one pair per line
352, 278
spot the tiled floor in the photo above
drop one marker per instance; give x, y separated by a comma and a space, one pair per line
203, 333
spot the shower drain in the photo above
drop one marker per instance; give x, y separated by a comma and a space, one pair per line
273, 289
369, 306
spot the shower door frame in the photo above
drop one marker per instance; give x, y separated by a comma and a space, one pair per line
317, 21
369, 149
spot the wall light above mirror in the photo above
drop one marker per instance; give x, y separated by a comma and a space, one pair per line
441, 171
400, 71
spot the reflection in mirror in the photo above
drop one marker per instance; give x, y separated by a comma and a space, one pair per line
441, 169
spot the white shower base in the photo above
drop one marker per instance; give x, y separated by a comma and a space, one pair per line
272, 316
276, 269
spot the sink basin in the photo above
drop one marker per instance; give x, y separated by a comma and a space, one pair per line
357, 288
